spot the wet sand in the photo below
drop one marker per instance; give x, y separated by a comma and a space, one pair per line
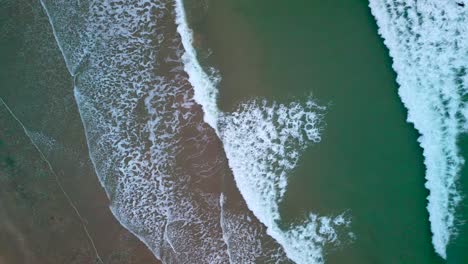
39, 92
204, 159
39, 223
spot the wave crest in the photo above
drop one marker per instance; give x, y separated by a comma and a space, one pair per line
429, 46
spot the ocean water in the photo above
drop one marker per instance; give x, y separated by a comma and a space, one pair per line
374, 161
272, 131
429, 47
161, 165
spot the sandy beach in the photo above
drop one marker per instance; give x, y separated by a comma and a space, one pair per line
38, 222
41, 221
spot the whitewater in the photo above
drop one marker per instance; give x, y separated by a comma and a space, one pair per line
263, 142
428, 43
152, 125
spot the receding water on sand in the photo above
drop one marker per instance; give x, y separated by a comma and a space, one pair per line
268, 131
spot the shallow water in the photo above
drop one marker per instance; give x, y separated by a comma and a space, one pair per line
369, 163
273, 132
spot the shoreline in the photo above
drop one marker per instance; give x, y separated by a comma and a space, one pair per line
41, 215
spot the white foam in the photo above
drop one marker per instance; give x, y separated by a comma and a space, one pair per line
246, 238
263, 142
204, 85
133, 121
429, 46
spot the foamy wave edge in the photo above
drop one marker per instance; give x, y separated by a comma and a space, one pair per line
91, 156
302, 243
432, 79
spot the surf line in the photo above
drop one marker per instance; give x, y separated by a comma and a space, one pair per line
57, 180
298, 247
428, 46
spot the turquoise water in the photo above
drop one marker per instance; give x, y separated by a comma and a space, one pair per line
369, 163
274, 132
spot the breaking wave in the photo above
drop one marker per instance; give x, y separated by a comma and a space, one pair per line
152, 152
428, 41
263, 142
154, 139
160, 164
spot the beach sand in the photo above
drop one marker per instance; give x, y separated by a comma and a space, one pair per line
39, 223
38, 90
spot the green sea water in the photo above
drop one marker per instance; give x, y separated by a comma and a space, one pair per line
368, 164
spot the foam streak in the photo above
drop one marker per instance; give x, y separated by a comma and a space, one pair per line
263, 142
429, 46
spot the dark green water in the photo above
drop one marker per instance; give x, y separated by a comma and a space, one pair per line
368, 164
457, 249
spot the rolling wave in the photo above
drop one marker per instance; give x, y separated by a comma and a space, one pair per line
263, 142
156, 158
146, 137
153, 126
429, 46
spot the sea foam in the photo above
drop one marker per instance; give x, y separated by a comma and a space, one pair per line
158, 161
263, 142
141, 123
204, 85
154, 154
429, 46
